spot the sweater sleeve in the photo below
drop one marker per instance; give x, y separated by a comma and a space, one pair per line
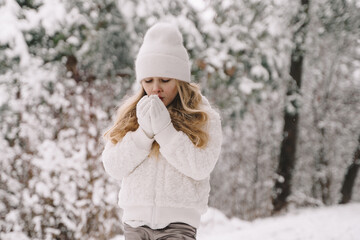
181, 153
121, 159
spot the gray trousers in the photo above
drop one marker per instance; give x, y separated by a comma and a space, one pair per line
171, 232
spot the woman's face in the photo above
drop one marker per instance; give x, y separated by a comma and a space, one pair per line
165, 88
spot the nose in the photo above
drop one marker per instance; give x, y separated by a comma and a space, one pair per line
156, 87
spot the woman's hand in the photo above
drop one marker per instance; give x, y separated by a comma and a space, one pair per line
160, 116
143, 115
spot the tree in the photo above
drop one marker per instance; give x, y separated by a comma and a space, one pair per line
330, 103
64, 68
282, 188
242, 70
350, 176
63, 79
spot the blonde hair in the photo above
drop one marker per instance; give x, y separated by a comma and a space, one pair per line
184, 110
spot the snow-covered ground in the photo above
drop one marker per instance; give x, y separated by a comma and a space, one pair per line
327, 223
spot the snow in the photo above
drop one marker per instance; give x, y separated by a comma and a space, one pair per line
52, 15
127, 8
247, 85
198, 5
14, 235
11, 32
356, 74
259, 71
325, 223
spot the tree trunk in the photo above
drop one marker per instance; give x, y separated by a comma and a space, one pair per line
350, 176
322, 177
282, 188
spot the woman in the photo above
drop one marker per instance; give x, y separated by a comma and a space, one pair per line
164, 144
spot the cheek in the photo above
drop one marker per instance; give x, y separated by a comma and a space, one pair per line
147, 89
172, 92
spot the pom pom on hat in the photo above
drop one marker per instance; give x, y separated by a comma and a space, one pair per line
163, 54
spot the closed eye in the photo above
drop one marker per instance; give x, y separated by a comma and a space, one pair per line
164, 80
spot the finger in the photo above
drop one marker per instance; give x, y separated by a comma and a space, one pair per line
152, 102
148, 118
148, 99
142, 101
145, 105
160, 105
157, 108
144, 98
152, 112
145, 109
153, 108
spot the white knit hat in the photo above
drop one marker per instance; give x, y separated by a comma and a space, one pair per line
163, 54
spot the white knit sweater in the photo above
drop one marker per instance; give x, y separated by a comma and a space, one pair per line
173, 188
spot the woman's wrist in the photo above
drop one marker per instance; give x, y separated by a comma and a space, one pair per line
166, 134
142, 139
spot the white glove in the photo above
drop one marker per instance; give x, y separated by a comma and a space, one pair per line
160, 116
143, 115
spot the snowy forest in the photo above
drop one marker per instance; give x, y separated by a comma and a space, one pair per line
284, 76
